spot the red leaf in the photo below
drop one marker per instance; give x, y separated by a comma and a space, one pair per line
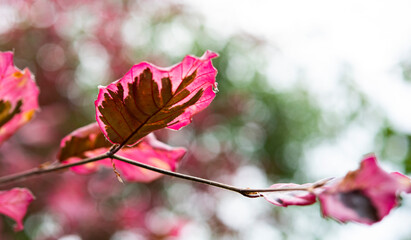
88, 141
286, 198
18, 96
149, 98
366, 195
14, 203
149, 151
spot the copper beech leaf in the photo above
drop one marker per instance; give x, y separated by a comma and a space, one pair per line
18, 96
149, 98
82, 141
365, 195
287, 198
89, 141
14, 204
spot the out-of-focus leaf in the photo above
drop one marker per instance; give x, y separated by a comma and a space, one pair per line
73, 202
89, 141
286, 198
404, 181
366, 195
149, 98
14, 203
149, 151
18, 96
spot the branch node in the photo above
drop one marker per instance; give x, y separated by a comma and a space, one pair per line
110, 153
250, 194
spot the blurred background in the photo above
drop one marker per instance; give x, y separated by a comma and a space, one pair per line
306, 89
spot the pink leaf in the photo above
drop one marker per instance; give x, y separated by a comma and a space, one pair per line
149, 98
404, 181
18, 96
286, 198
366, 195
149, 151
81, 140
14, 203
88, 141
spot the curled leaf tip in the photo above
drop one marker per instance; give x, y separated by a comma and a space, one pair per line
209, 55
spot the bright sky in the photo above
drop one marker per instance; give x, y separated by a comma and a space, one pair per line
319, 38
372, 37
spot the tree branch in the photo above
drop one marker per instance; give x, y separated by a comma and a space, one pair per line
42, 170
247, 192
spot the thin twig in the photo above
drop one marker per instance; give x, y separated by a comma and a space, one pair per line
248, 192
42, 170
176, 174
